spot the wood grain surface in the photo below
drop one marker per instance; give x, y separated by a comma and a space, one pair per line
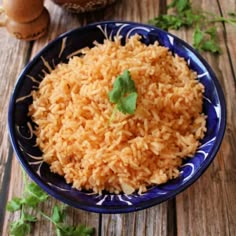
208, 207
205, 207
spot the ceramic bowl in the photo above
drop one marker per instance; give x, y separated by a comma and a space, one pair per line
30, 156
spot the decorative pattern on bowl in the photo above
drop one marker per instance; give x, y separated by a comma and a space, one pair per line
60, 50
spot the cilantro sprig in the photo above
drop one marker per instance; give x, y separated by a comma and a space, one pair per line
22, 226
204, 23
28, 204
32, 196
124, 94
58, 219
206, 40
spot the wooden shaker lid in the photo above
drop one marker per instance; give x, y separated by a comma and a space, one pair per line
23, 11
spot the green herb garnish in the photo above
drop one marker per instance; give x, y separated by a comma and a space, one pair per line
204, 36
32, 196
206, 40
180, 5
124, 94
58, 218
22, 226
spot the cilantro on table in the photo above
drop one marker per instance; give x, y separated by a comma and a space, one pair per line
206, 40
58, 218
204, 24
124, 94
32, 196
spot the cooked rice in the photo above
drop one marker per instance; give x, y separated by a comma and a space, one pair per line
72, 111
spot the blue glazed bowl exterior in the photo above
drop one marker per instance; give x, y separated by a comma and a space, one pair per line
59, 50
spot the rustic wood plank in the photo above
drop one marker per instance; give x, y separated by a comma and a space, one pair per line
147, 222
61, 21
208, 206
228, 162
152, 221
230, 30
73, 216
13, 56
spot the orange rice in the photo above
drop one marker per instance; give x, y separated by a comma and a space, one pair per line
132, 152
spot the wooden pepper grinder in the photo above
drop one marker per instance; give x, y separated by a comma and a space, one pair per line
25, 19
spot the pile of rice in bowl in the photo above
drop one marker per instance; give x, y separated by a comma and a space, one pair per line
132, 152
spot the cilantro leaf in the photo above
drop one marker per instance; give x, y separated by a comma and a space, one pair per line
19, 228
58, 218
128, 104
58, 214
180, 5
191, 18
183, 19
117, 91
211, 46
35, 195
128, 83
122, 86
206, 40
15, 204
34, 190
166, 22
124, 93
28, 217
81, 230
31, 201
198, 36
211, 31
32, 196
22, 226
204, 36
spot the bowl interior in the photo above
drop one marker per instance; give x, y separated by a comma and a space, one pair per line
21, 126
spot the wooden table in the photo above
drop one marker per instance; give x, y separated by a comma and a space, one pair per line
208, 207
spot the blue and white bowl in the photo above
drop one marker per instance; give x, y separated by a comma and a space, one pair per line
30, 156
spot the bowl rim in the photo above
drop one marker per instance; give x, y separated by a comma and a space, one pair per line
114, 209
